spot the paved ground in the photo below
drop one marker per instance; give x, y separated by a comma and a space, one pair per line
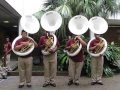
112, 83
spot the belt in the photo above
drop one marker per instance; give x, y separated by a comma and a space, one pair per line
25, 56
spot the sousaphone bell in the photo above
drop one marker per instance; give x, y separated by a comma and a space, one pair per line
31, 25
98, 25
78, 25
51, 21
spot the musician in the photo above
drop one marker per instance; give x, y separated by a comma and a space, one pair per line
96, 62
7, 53
24, 62
75, 62
49, 61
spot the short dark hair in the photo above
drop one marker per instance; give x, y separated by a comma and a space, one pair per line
23, 31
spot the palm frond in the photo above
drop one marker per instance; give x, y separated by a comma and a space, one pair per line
64, 10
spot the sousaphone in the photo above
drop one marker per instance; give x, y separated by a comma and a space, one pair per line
78, 25
98, 25
51, 21
31, 25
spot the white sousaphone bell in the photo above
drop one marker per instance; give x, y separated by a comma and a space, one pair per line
31, 25
78, 25
51, 21
98, 25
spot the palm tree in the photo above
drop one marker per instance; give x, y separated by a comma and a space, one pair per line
88, 8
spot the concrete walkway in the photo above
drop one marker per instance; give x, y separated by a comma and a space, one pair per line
11, 83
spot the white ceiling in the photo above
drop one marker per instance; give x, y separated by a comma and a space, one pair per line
24, 7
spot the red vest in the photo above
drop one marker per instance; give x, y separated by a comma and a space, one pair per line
79, 56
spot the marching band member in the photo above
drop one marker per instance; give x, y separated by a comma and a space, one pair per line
75, 62
96, 63
7, 53
24, 62
50, 61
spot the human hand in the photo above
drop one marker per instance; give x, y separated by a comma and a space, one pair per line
51, 51
67, 48
101, 55
78, 37
25, 43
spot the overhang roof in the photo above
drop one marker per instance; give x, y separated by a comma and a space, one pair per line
7, 13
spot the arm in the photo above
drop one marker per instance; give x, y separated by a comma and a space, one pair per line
92, 48
10, 48
17, 47
41, 43
67, 46
34, 43
82, 41
4, 50
54, 49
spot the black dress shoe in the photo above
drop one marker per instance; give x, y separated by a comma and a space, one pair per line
45, 84
100, 83
76, 83
93, 83
29, 86
4, 76
20, 86
70, 82
53, 84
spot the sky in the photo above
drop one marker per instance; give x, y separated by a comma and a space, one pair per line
25, 7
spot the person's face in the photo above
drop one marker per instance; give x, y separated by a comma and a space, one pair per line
47, 33
24, 34
73, 36
7, 39
69, 37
